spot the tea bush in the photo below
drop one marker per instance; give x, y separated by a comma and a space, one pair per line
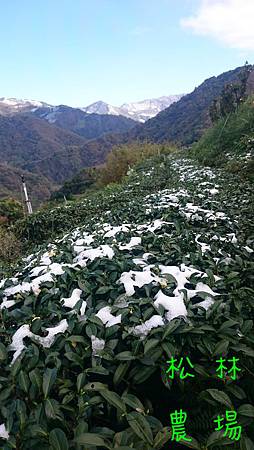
160, 266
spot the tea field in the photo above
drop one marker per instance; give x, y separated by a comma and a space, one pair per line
157, 269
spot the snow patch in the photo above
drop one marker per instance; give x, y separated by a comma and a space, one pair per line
107, 318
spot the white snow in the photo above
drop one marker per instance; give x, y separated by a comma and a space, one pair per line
48, 340
2, 282
153, 226
7, 303
91, 254
203, 245
143, 329
112, 231
248, 249
71, 301
3, 432
86, 240
142, 261
133, 243
38, 270
174, 305
206, 303
18, 345
139, 279
12, 290
232, 238
200, 287
17, 341
107, 318
97, 345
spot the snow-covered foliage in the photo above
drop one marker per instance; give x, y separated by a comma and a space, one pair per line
161, 269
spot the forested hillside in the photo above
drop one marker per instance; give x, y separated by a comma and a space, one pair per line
39, 187
89, 126
185, 121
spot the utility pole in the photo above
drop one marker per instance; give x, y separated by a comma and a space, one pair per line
28, 203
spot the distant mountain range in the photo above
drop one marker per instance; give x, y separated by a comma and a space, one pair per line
138, 111
53, 143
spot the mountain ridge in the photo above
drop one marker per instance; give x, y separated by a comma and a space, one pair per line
186, 120
139, 111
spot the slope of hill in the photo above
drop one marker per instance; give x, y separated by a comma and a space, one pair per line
186, 120
32, 144
157, 269
89, 126
230, 142
39, 187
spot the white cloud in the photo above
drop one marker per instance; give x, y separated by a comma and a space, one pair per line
229, 21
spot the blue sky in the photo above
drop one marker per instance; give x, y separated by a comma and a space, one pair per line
76, 52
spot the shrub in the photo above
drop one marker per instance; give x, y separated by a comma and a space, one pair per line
10, 246
10, 211
121, 158
229, 139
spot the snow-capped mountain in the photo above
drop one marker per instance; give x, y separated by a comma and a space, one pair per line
146, 109
102, 108
140, 111
15, 105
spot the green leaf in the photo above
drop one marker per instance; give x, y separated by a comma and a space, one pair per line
36, 378
103, 290
143, 374
73, 357
58, 440
170, 328
37, 430
120, 372
246, 410
161, 438
52, 409
75, 338
217, 438
23, 380
98, 369
168, 348
49, 378
221, 348
91, 329
246, 443
3, 352
91, 439
113, 399
220, 397
81, 379
133, 401
191, 444
140, 426
96, 386
125, 356
236, 391
150, 344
